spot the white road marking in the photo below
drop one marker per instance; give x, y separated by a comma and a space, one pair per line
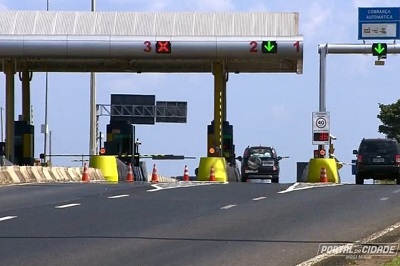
293, 187
118, 196
184, 184
384, 198
156, 188
396, 191
7, 218
260, 198
67, 205
371, 238
227, 207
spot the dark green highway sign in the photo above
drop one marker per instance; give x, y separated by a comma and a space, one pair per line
269, 47
379, 49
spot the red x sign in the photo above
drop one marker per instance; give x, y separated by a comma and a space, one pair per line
163, 47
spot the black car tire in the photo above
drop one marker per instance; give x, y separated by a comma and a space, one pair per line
243, 178
359, 180
398, 180
275, 179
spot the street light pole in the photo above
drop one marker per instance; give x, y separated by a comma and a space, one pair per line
45, 106
92, 133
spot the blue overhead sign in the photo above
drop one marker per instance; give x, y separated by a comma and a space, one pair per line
378, 23
378, 14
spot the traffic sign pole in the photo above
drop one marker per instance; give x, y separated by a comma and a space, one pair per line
373, 23
322, 83
322, 78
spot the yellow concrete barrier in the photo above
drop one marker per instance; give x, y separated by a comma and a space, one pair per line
219, 165
107, 164
314, 170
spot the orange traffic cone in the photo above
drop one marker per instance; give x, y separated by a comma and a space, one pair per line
129, 176
85, 175
154, 175
185, 174
212, 174
323, 178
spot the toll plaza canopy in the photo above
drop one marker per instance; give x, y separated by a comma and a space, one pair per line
151, 42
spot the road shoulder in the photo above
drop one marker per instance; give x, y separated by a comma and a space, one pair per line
390, 237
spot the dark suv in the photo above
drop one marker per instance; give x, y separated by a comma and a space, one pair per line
260, 162
377, 159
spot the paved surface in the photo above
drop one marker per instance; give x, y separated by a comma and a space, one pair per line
213, 224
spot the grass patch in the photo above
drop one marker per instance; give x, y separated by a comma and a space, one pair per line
394, 262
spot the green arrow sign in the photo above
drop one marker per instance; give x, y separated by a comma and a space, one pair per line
269, 47
379, 49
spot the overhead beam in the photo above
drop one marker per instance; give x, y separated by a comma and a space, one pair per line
355, 48
156, 66
123, 47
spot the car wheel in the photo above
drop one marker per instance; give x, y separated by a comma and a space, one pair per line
244, 178
359, 180
275, 179
398, 180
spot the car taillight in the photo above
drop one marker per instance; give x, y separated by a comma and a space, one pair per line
398, 159
359, 158
274, 168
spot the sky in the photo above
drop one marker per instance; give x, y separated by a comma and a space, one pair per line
268, 109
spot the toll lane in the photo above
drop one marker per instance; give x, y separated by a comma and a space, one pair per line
190, 226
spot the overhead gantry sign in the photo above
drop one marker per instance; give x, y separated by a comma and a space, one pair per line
180, 42
153, 54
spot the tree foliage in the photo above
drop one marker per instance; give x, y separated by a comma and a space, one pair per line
390, 118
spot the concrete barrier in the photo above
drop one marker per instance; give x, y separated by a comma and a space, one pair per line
314, 170
219, 165
39, 174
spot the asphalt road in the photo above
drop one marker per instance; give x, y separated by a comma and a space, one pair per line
224, 224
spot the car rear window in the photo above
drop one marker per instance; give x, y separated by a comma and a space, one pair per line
382, 147
262, 153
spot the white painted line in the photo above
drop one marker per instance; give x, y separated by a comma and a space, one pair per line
384, 198
118, 196
289, 188
7, 218
184, 184
371, 238
260, 198
67, 205
293, 187
396, 191
227, 207
156, 188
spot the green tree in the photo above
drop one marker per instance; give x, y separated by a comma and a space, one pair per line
390, 118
